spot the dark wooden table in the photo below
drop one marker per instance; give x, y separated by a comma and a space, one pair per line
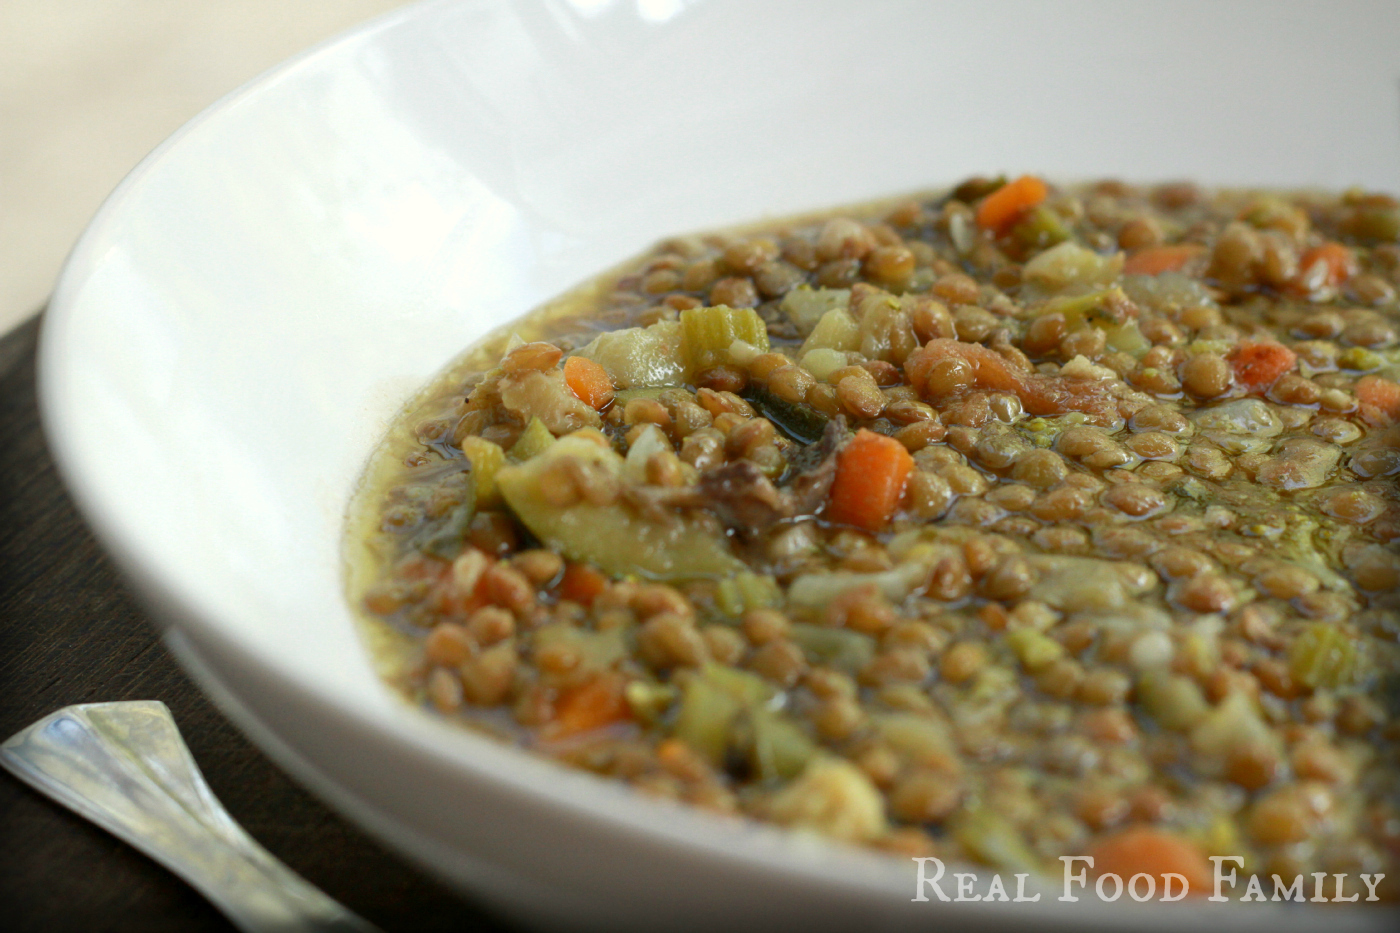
71, 633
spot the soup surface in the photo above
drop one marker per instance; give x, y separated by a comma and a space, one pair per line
999, 524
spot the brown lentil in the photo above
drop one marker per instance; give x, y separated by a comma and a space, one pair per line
670, 640
780, 661
448, 645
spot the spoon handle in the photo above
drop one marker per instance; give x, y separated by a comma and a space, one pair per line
125, 767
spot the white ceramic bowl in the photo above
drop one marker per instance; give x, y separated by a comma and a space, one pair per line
257, 300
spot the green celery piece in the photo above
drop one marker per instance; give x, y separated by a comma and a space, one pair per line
991, 839
623, 396
711, 703
840, 648
639, 356
533, 441
613, 538
805, 306
1324, 655
596, 650
745, 591
706, 718
780, 749
836, 330
913, 735
708, 333
1087, 307
749, 689
1126, 338
1041, 229
1034, 649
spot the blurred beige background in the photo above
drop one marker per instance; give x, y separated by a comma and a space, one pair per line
88, 87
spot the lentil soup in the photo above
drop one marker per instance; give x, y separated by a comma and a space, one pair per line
1002, 524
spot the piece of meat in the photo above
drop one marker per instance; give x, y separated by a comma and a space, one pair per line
659, 503
810, 486
743, 498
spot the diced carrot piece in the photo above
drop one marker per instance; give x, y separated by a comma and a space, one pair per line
1000, 210
1257, 366
990, 369
1055, 395
581, 584
591, 705
1154, 260
1039, 394
871, 471
674, 755
1380, 400
1155, 852
1338, 265
589, 382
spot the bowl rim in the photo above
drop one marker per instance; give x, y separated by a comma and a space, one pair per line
509, 769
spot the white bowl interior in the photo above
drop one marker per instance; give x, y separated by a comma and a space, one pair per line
255, 303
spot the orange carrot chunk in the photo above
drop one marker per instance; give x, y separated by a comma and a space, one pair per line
589, 382
1153, 852
1328, 264
1154, 260
1257, 366
591, 705
1000, 210
990, 370
1379, 399
581, 584
1039, 394
871, 471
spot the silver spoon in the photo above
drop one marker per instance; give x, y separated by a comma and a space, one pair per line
125, 768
